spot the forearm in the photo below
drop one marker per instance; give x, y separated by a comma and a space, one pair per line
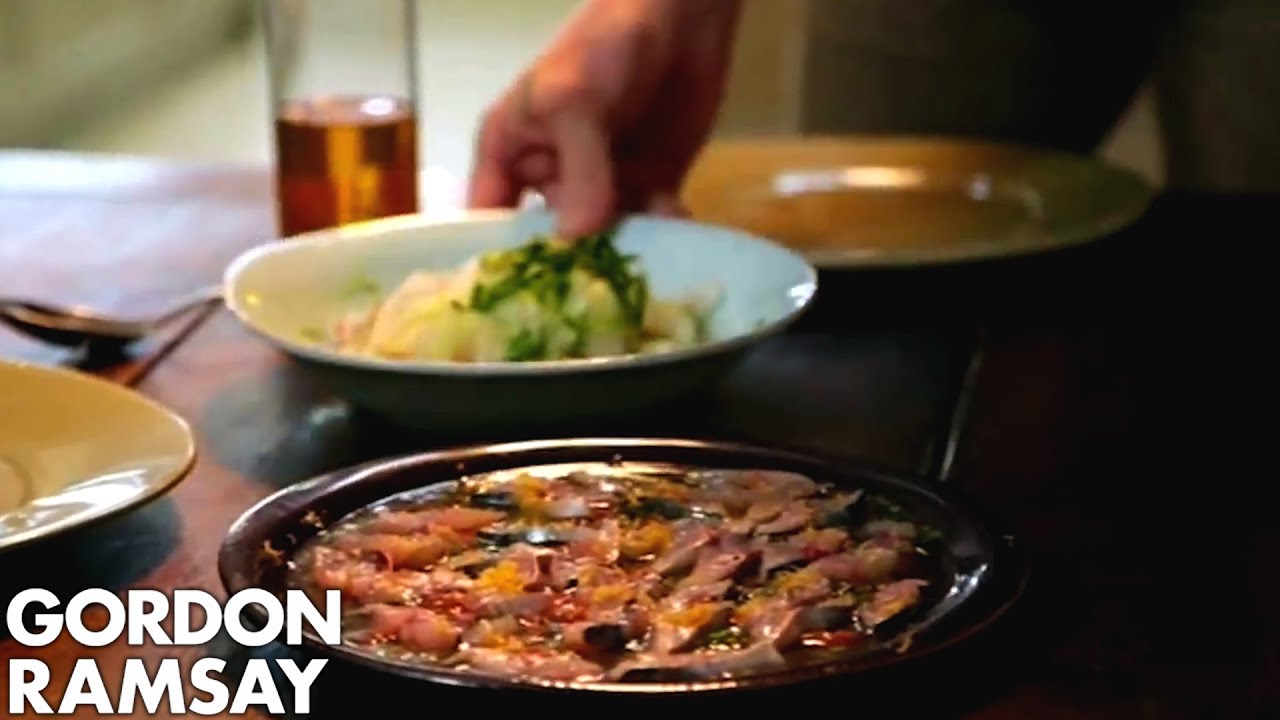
678, 18
697, 18
702, 32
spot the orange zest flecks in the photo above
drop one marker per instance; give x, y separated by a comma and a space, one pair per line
802, 578
749, 610
618, 594
693, 616
530, 493
504, 578
650, 538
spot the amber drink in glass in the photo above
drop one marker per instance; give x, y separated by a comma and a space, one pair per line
343, 82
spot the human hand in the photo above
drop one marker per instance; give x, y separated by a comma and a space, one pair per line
608, 119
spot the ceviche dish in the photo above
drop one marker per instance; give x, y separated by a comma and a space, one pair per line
623, 575
548, 299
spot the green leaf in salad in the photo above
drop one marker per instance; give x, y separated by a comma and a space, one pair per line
601, 258
545, 268
578, 326
527, 345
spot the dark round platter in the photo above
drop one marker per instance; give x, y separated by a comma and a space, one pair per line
983, 571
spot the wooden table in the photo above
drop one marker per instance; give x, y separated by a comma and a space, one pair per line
1064, 393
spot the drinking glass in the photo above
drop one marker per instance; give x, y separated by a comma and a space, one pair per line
343, 81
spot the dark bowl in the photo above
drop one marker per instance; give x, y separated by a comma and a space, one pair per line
981, 571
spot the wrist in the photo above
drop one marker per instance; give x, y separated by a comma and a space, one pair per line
720, 12
685, 14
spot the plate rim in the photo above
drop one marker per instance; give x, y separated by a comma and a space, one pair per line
1004, 544
502, 369
1097, 229
167, 482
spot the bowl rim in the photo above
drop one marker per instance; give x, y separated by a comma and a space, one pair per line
1004, 584
374, 228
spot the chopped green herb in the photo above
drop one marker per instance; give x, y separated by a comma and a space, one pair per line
602, 258
312, 334
486, 297
544, 269
536, 266
729, 637
578, 326
527, 345
700, 324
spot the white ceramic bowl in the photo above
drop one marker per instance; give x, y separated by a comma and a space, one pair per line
285, 290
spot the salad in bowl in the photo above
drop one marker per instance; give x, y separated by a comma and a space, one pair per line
488, 322
549, 299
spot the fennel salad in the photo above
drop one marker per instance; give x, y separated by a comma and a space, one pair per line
548, 299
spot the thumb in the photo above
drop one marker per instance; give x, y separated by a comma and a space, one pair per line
586, 174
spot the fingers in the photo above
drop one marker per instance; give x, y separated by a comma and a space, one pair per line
492, 183
586, 195
537, 168
562, 151
667, 204
574, 168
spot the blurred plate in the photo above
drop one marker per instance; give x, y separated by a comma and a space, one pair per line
859, 202
75, 449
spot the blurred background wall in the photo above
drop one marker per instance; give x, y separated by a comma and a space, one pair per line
185, 79
66, 65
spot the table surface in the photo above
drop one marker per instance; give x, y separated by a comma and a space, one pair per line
1060, 392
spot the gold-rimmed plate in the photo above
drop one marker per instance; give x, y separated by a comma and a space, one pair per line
75, 449
848, 202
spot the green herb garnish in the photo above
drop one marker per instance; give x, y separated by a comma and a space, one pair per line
726, 638
578, 326
312, 334
527, 345
537, 266
486, 297
544, 269
603, 259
